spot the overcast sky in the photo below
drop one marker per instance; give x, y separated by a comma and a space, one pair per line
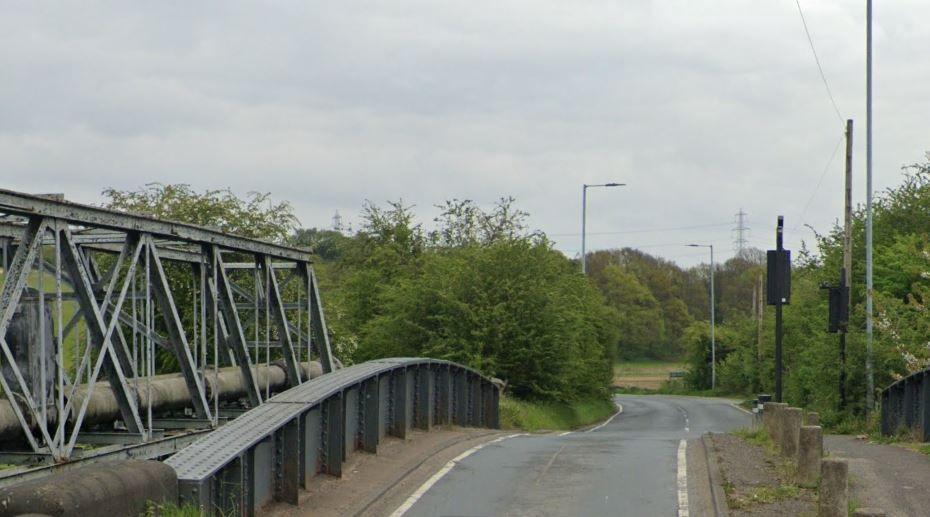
702, 107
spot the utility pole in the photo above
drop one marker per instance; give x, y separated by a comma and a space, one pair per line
758, 315
713, 341
713, 322
847, 257
870, 381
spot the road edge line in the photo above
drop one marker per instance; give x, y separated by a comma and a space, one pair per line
683, 478
422, 489
605, 422
744, 410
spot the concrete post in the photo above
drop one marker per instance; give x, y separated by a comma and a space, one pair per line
768, 413
811, 418
790, 429
834, 499
810, 452
869, 512
770, 417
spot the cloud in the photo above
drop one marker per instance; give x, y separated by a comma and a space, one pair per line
702, 107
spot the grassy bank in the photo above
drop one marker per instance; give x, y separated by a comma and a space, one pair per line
645, 375
553, 416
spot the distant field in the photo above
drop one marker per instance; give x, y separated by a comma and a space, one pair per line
647, 375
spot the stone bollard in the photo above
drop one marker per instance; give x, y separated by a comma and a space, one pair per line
810, 452
768, 414
770, 417
869, 512
790, 428
834, 499
812, 418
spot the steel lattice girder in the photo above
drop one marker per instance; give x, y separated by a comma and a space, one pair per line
29, 205
268, 452
99, 296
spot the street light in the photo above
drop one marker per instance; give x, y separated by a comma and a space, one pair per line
713, 344
584, 207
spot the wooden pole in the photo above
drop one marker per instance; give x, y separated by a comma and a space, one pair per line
759, 315
847, 225
847, 256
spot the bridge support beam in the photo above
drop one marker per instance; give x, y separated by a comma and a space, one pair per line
371, 415
423, 413
443, 396
400, 403
333, 441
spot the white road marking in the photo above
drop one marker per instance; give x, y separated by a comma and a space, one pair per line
414, 497
687, 421
682, 478
565, 433
545, 469
619, 410
744, 410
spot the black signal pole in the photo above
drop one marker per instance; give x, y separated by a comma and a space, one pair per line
779, 246
779, 294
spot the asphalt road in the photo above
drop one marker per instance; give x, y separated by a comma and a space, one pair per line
627, 467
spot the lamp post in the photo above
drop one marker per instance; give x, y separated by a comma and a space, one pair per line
584, 210
713, 344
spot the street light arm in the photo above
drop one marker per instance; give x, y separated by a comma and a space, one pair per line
585, 185
584, 216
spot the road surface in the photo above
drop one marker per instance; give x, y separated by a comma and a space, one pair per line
629, 466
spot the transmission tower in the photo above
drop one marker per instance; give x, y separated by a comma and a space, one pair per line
337, 222
741, 233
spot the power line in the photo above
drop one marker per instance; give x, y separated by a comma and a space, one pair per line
817, 60
643, 230
820, 181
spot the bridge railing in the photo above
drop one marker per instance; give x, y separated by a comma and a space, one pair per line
906, 406
270, 452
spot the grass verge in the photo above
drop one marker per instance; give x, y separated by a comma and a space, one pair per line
170, 510
756, 436
553, 416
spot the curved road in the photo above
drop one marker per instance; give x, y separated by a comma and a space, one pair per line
627, 467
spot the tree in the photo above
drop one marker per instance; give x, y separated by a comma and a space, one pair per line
254, 216
641, 323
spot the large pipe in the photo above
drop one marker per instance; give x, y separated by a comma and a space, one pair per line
169, 391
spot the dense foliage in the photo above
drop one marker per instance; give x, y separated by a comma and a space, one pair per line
811, 355
659, 302
477, 289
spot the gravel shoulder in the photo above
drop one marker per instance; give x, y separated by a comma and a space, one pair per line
757, 482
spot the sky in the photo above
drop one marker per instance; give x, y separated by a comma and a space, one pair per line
702, 107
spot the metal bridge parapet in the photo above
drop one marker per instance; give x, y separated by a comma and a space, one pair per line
268, 453
905, 405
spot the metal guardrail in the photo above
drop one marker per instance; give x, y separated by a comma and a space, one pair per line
271, 451
906, 405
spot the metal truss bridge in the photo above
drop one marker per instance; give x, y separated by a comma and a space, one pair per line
125, 336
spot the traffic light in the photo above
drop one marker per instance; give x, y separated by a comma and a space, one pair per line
778, 277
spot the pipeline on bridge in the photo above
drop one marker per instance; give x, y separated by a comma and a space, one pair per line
111, 320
